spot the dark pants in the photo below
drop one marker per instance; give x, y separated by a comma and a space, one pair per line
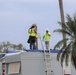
32, 42
47, 45
32, 46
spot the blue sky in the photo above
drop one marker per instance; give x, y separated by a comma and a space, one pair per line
16, 16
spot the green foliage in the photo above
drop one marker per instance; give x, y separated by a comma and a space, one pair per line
70, 49
7, 45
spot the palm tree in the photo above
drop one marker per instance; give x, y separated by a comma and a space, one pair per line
70, 48
20, 46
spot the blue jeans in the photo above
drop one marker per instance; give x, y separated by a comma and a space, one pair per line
32, 46
47, 45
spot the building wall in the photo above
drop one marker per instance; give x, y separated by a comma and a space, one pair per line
73, 70
33, 63
0, 68
12, 57
57, 66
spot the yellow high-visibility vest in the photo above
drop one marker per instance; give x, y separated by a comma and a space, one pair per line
47, 36
31, 32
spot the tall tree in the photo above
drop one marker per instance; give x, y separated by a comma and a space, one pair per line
62, 19
20, 46
70, 48
4, 46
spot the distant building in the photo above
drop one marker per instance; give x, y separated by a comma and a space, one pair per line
31, 63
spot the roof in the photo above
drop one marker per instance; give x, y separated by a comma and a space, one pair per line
11, 52
51, 50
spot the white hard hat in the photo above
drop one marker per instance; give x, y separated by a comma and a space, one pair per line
47, 29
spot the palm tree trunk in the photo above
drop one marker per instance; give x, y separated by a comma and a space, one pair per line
62, 19
63, 22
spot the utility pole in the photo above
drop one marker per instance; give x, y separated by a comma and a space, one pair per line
36, 39
62, 19
36, 43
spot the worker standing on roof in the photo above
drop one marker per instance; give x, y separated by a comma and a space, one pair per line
46, 38
32, 32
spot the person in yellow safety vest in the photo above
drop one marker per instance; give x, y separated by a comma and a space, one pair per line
32, 32
46, 38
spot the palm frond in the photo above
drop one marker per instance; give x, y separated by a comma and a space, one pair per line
68, 28
63, 57
68, 50
65, 54
73, 57
62, 24
60, 43
63, 31
71, 24
74, 22
59, 53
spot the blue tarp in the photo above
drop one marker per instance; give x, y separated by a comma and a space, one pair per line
14, 51
2, 55
9, 51
51, 50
